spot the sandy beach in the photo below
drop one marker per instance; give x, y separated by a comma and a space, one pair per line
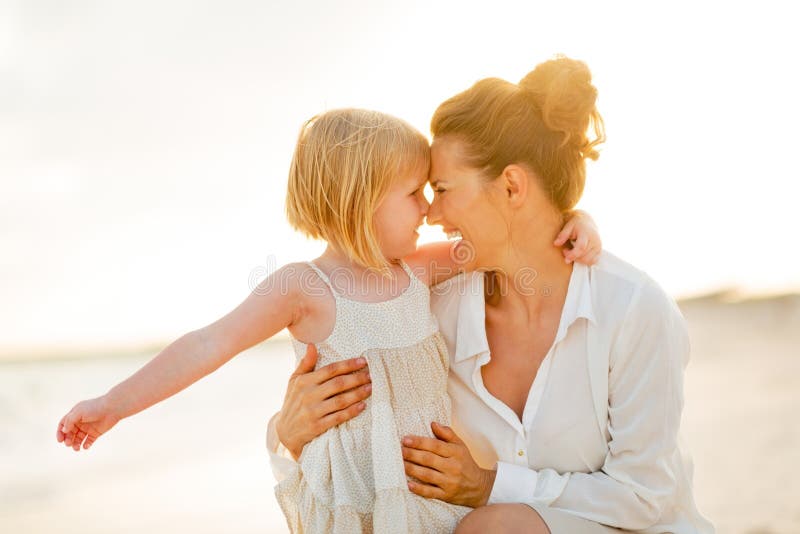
197, 463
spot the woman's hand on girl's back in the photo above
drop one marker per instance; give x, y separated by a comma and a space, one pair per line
86, 422
582, 233
318, 400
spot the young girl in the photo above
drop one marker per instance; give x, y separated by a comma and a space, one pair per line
356, 182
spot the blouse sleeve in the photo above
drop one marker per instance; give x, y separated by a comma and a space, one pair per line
280, 459
637, 481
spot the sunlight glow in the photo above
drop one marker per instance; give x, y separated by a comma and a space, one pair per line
142, 180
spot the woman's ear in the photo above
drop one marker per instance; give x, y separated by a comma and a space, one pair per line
516, 181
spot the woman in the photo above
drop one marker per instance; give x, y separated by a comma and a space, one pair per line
566, 380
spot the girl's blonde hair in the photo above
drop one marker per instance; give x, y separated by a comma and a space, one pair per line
541, 122
343, 165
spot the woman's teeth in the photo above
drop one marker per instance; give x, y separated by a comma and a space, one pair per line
455, 234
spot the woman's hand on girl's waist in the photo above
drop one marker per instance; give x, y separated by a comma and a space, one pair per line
318, 400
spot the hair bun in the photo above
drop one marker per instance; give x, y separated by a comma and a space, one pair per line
563, 91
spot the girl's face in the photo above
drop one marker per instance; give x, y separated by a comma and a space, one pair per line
401, 213
466, 203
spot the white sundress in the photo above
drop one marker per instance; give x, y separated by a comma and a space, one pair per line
351, 478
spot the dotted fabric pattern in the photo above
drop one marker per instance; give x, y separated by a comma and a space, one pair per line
351, 479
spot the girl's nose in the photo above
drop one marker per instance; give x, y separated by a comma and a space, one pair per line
423, 205
432, 216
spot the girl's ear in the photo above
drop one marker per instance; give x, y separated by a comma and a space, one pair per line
516, 182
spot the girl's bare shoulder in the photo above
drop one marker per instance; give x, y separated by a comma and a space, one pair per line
314, 303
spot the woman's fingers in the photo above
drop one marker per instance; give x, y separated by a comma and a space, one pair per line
424, 490
337, 418
335, 369
429, 444
346, 399
307, 362
342, 383
425, 459
445, 433
425, 474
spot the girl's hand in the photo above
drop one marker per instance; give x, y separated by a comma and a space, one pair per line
86, 422
318, 400
445, 469
584, 236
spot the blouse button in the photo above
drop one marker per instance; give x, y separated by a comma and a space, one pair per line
521, 453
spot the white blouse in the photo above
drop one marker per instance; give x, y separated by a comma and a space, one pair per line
598, 435
599, 432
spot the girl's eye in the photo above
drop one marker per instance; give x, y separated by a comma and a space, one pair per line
438, 190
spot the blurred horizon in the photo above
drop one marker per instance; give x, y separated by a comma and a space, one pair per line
144, 147
719, 300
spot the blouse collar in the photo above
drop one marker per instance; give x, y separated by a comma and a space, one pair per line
471, 323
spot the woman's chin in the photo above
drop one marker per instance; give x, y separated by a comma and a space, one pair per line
462, 252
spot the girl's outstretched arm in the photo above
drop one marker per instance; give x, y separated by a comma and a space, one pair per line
436, 262
273, 305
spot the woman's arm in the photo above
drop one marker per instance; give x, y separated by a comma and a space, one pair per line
637, 481
269, 308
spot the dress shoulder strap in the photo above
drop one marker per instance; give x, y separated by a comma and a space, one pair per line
324, 277
413, 278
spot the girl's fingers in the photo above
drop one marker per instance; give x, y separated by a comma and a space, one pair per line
579, 249
68, 425
591, 256
583, 256
345, 400
89, 441
76, 443
342, 383
59, 432
565, 234
580, 246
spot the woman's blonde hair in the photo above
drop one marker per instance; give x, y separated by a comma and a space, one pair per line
343, 165
541, 122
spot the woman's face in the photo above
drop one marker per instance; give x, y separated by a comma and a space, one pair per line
467, 203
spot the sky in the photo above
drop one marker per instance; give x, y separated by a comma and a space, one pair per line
144, 146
